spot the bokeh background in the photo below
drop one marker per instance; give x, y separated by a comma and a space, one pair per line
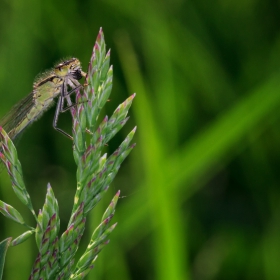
201, 190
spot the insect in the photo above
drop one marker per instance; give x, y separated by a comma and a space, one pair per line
53, 83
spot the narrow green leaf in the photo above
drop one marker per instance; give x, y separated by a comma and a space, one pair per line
3, 250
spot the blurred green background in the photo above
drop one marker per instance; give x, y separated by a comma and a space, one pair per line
201, 190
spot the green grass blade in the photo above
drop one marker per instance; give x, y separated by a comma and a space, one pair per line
3, 250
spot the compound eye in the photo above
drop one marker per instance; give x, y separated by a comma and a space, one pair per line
77, 74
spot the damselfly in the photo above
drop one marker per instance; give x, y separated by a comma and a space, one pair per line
51, 84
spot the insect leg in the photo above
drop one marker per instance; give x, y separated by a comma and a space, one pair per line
56, 115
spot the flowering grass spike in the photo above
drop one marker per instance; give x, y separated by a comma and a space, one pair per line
95, 172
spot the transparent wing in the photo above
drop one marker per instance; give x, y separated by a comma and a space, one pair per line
13, 118
16, 115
